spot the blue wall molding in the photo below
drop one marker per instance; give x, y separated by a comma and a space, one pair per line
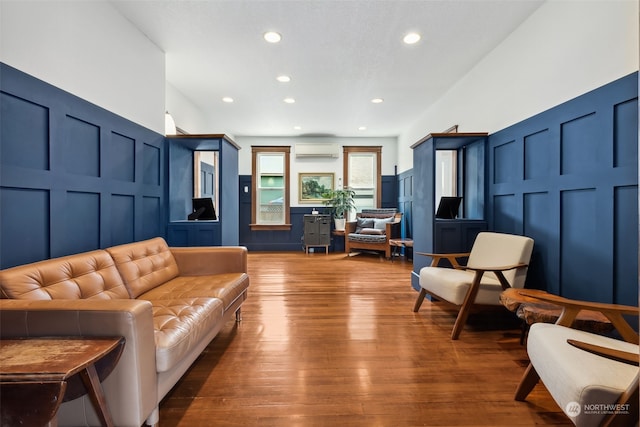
568, 177
73, 176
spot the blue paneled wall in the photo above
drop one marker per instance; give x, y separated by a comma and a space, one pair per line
568, 177
73, 176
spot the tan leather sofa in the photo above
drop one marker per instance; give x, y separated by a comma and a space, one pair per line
168, 304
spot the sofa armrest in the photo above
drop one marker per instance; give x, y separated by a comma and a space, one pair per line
350, 226
208, 260
131, 389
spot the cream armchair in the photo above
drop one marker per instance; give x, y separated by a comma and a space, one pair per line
496, 262
593, 378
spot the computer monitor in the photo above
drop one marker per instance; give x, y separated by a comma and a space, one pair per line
448, 207
202, 209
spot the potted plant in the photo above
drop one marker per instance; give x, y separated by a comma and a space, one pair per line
341, 202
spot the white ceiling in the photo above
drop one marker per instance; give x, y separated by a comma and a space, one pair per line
339, 53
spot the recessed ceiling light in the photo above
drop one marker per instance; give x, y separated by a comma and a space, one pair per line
362, 128
411, 38
283, 79
227, 99
289, 100
272, 37
377, 100
297, 127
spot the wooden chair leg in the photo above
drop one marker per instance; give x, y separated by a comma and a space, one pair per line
527, 383
419, 300
465, 309
463, 315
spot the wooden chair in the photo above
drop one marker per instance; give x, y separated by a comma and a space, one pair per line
496, 262
372, 230
593, 378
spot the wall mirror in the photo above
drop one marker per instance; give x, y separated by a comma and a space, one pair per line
205, 176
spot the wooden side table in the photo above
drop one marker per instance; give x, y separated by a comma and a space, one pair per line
532, 310
399, 243
38, 374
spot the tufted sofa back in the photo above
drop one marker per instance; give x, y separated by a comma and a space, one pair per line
90, 275
144, 265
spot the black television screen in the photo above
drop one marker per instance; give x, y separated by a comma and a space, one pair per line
448, 207
202, 209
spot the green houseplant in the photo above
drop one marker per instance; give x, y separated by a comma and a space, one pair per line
341, 202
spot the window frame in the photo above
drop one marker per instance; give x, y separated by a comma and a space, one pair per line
377, 151
255, 151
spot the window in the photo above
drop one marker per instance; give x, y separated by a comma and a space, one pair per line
270, 182
362, 172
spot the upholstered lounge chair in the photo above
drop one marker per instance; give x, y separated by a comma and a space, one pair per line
593, 378
372, 231
496, 262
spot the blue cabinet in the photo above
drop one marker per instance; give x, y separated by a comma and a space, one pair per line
433, 235
194, 233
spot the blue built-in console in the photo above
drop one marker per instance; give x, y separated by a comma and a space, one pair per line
73, 176
223, 187
568, 178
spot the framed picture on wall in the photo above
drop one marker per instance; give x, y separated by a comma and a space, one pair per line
313, 187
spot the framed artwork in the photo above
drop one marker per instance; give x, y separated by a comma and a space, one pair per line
313, 187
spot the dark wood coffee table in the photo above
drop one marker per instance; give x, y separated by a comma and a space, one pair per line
38, 374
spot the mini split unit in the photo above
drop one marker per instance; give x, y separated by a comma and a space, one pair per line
317, 150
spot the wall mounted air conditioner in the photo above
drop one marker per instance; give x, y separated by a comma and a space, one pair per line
317, 150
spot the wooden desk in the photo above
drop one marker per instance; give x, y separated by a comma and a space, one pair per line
38, 374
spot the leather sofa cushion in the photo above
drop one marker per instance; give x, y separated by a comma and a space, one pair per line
227, 287
144, 265
89, 275
179, 324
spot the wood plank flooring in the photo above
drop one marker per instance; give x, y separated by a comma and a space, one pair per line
330, 340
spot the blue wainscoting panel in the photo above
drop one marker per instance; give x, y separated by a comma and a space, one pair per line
474, 180
121, 158
82, 223
506, 162
537, 152
625, 244
71, 174
83, 140
122, 219
405, 202
577, 195
543, 229
151, 166
625, 146
506, 213
581, 145
151, 219
24, 225
582, 263
24, 129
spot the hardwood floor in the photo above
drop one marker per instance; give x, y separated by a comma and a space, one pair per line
330, 340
